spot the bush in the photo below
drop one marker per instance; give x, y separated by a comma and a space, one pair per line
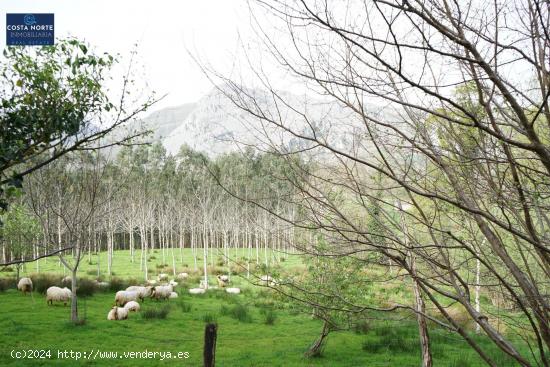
269, 317
185, 307
41, 282
7, 283
224, 310
152, 257
117, 284
361, 327
208, 318
370, 347
156, 313
241, 313
6, 269
92, 272
86, 287
161, 266
394, 339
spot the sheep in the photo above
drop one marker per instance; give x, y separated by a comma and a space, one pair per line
152, 282
103, 285
203, 284
173, 283
197, 290
233, 290
182, 276
67, 280
132, 306
143, 292
122, 297
25, 285
117, 313
222, 280
268, 280
162, 291
162, 277
173, 295
58, 294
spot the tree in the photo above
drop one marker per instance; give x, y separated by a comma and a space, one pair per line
54, 101
78, 178
435, 107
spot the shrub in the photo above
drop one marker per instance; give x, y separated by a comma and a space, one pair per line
86, 287
117, 284
92, 272
7, 269
241, 313
269, 317
161, 266
6, 283
185, 307
395, 339
152, 257
208, 318
220, 261
224, 310
370, 347
41, 282
361, 327
156, 313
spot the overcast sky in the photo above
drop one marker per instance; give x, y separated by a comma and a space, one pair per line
164, 30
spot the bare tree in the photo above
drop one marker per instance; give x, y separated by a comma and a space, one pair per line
78, 178
448, 104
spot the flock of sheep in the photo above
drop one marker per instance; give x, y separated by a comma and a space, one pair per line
127, 300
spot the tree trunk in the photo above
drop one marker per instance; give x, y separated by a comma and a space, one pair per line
316, 348
74, 300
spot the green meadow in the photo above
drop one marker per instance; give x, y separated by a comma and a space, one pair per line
255, 328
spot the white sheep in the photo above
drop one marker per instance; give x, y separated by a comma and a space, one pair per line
152, 282
162, 277
123, 297
173, 283
117, 313
182, 276
67, 280
203, 284
25, 285
58, 294
197, 290
222, 280
173, 295
102, 285
233, 290
162, 291
143, 292
132, 306
267, 280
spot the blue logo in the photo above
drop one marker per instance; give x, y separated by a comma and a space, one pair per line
29, 29
29, 19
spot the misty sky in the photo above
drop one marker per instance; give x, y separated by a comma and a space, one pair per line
164, 29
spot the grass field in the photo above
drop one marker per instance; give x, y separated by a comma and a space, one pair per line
255, 328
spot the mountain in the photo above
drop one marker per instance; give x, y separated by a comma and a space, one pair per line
215, 125
166, 120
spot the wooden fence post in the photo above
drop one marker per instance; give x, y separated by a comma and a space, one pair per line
210, 334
